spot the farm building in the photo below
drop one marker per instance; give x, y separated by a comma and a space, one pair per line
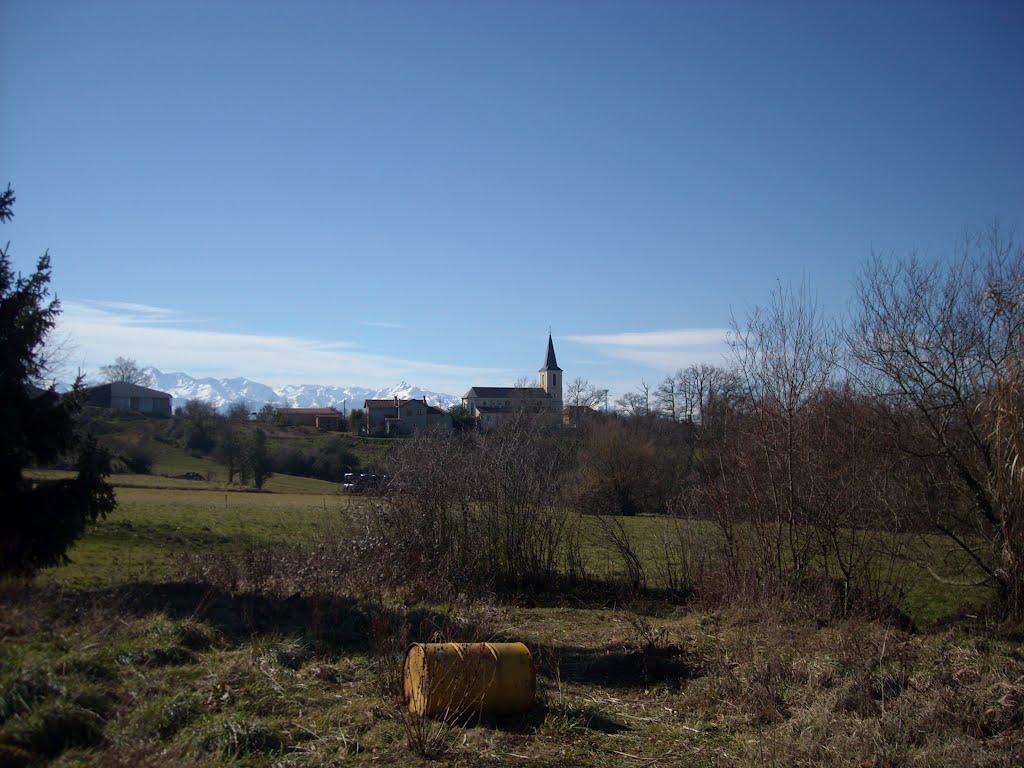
122, 396
322, 418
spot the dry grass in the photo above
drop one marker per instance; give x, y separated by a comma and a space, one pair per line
206, 678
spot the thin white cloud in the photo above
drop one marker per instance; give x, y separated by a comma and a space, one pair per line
663, 350
132, 312
655, 339
105, 330
381, 324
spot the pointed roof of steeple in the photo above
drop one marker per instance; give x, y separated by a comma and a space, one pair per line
550, 364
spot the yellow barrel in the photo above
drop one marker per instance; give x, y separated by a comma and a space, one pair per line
460, 678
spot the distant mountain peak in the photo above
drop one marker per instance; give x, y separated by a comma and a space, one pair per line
221, 393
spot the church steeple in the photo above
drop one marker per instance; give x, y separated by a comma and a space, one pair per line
550, 374
550, 364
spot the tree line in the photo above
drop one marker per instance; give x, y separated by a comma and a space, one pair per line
813, 449
242, 446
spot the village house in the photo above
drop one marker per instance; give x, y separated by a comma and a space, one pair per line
327, 419
403, 417
492, 406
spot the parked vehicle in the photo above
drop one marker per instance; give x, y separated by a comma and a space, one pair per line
363, 482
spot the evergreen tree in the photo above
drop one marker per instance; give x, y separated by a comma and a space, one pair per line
39, 521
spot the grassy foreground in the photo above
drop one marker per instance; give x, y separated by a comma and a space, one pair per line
115, 660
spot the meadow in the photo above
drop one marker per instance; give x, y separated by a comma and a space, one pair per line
125, 657
160, 519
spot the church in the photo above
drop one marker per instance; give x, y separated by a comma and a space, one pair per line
491, 406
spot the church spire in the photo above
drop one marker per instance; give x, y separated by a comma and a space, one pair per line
550, 375
550, 364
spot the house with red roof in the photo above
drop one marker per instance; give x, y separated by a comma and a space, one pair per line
326, 419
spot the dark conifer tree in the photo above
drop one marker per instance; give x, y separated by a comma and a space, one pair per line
39, 521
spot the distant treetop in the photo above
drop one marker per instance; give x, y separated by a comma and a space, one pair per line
124, 369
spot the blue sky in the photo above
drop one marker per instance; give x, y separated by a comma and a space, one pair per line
357, 193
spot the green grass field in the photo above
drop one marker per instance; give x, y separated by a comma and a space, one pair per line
153, 526
160, 518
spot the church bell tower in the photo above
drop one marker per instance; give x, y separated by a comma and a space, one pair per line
551, 376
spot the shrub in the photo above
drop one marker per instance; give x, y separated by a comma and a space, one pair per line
330, 461
137, 459
483, 509
616, 470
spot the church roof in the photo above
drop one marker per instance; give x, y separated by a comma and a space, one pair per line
528, 406
550, 364
507, 392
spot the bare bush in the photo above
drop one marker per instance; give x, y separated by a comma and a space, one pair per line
939, 347
785, 355
483, 509
611, 536
615, 472
799, 494
525, 533
1003, 411
681, 559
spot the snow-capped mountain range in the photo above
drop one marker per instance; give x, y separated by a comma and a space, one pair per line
223, 392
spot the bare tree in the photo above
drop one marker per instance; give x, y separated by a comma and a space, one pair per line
666, 398
1004, 411
582, 394
239, 411
267, 414
581, 397
785, 356
940, 346
702, 390
636, 404
124, 369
